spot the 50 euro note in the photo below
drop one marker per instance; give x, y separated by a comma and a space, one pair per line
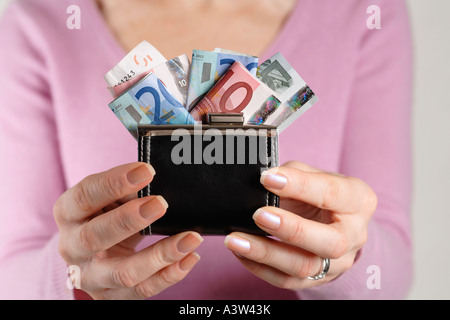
238, 91
173, 74
293, 108
139, 60
296, 96
208, 66
149, 102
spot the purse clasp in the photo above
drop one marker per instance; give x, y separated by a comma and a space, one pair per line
225, 118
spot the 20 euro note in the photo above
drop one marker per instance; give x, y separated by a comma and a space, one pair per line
238, 91
296, 96
173, 74
149, 102
207, 67
139, 60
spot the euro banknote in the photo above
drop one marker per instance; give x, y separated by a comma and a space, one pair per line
280, 76
149, 102
293, 108
238, 91
140, 59
295, 95
128, 111
208, 66
173, 74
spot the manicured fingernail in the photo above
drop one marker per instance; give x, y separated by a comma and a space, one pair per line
273, 180
189, 242
153, 207
237, 244
267, 219
188, 262
140, 174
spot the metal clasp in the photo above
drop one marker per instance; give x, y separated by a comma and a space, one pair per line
225, 118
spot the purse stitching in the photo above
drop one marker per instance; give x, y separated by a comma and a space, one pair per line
267, 167
273, 158
148, 160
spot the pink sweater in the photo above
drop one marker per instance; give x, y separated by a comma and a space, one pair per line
56, 128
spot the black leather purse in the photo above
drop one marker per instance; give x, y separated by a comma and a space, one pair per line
209, 174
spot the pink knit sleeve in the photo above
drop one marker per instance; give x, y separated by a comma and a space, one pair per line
377, 150
31, 176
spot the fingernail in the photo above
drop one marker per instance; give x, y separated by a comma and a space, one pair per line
140, 174
273, 180
267, 219
153, 207
189, 242
237, 244
188, 262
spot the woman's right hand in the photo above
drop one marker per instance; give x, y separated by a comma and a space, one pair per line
99, 220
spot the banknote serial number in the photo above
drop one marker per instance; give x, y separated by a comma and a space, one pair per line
228, 309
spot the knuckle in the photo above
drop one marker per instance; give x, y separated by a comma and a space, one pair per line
58, 211
144, 290
371, 201
63, 251
83, 197
285, 282
290, 163
164, 257
301, 183
170, 277
346, 264
331, 194
339, 246
113, 186
124, 222
362, 238
306, 268
123, 277
263, 254
88, 240
298, 235
258, 269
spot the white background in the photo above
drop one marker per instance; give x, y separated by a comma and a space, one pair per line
430, 23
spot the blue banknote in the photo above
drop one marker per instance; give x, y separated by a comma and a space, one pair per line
149, 102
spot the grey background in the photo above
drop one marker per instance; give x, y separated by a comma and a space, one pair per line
430, 23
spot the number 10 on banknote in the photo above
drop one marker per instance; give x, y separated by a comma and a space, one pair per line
237, 91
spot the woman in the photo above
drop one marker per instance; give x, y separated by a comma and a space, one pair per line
70, 174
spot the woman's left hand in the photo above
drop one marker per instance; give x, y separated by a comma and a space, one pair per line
322, 215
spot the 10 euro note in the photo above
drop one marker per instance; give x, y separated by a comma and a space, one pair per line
207, 67
238, 91
149, 102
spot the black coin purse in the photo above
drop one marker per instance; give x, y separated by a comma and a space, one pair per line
209, 174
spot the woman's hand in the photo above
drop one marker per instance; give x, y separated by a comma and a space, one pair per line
322, 215
99, 220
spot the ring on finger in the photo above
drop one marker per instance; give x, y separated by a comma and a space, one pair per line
323, 272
